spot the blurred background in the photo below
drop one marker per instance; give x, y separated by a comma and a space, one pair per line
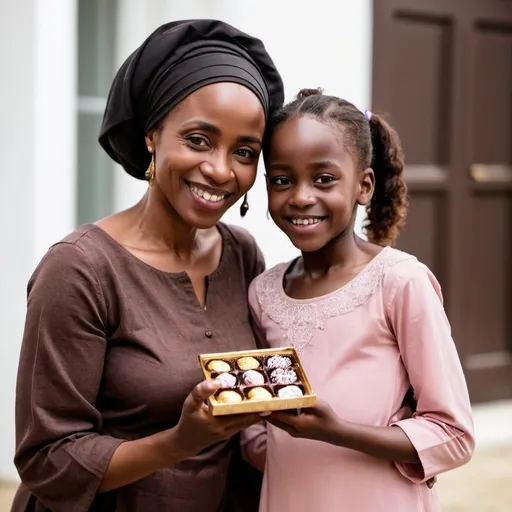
440, 69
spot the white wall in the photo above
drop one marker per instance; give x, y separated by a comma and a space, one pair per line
326, 45
37, 139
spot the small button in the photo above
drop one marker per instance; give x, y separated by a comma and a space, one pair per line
208, 334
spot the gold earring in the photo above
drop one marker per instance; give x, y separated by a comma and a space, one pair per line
150, 172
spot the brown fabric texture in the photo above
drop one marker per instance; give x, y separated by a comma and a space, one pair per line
110, 352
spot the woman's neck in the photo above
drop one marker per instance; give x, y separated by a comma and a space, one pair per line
159, 225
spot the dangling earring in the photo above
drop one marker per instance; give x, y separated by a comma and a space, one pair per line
244, 208
150, 172
268, 214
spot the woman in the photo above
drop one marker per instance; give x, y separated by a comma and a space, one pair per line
109, 412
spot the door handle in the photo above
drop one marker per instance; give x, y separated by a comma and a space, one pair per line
491, 173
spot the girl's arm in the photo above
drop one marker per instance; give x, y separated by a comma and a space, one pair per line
439, 435
441, 429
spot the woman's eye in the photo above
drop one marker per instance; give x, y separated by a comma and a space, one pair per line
245, 153
324, 179
197, 140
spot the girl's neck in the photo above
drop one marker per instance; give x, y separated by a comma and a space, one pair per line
346, 251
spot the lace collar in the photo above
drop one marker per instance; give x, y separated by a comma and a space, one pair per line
299, 318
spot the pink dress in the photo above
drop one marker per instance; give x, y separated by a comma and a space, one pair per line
362, 346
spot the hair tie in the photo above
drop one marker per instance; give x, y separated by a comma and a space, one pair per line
368, 115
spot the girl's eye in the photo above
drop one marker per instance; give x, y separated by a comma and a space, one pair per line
245, 153
280, 180
197, 140
324, 179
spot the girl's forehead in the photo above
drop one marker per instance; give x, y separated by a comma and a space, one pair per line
307, 135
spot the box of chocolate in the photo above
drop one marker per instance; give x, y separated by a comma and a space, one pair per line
257, 381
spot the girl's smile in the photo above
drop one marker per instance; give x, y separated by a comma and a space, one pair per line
313, 182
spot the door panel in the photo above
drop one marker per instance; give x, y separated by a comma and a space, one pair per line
421, 91
428, 210
442, 71
493, 97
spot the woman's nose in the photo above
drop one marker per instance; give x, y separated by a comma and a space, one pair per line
218, 169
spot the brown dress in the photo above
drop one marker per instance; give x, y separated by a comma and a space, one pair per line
110, 352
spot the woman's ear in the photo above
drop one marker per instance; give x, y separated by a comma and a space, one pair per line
150, 139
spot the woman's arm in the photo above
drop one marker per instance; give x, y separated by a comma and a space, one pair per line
60, 454
196, 430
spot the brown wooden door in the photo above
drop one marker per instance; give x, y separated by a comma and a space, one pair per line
442, 71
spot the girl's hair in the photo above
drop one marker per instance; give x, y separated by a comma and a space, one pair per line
373, 143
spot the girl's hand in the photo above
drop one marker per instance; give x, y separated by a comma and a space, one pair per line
318, 423
198, 429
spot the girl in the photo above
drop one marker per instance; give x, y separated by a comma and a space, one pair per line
367, 320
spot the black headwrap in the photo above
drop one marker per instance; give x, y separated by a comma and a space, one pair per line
174, 61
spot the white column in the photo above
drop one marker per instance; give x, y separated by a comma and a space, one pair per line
37, 143
17, 134
55, 120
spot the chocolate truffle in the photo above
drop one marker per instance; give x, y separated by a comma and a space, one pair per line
290, 392
259, 394
229, 397
281, 376
218, 366
278, 361
228, 380
248, 363
253, 378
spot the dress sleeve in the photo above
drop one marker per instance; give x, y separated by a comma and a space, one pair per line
253, 440
441, 429
60, 454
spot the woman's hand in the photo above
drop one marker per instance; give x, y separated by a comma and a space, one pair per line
317, 423
198, 429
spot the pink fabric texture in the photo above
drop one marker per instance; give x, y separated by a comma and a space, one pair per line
362, 346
